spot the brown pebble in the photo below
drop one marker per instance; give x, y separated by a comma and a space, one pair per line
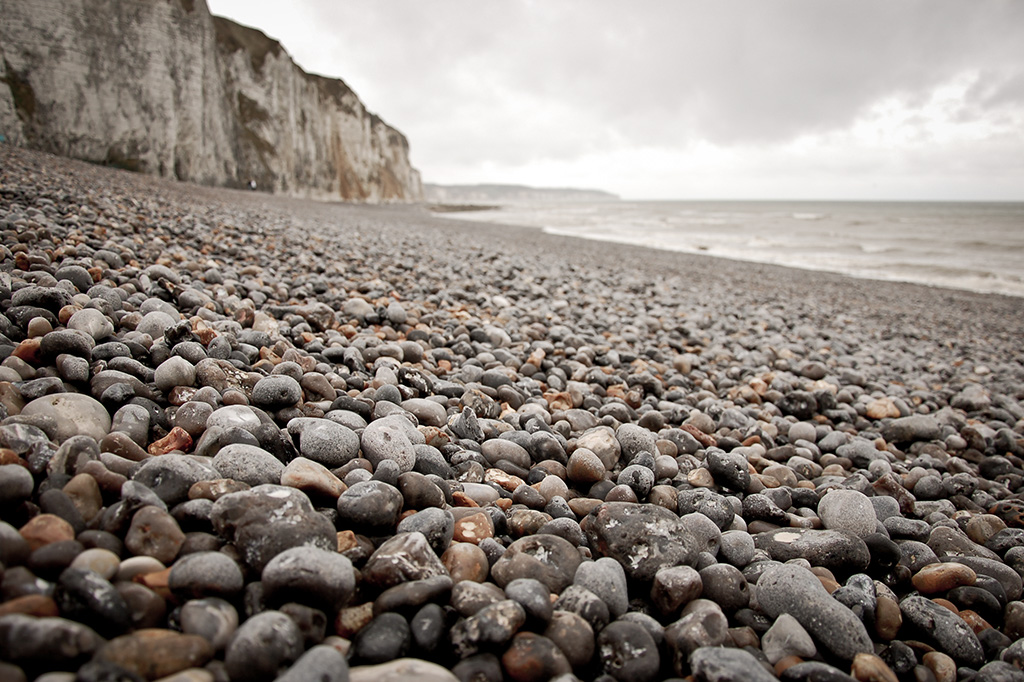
85, 494
786, 663
474, 528
935, 578
177, 439
352, 619
37, 605
156, 581
154, 533
744, 636
155, 653
466, 561
585, 467
941, 665
974, 619
461, 499
888, 618
44, 529
981, 528
534, 658
871, 668
621, 493
700, 478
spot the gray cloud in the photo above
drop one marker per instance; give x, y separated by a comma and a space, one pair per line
511, 83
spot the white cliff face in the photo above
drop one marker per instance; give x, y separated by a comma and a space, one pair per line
162, 87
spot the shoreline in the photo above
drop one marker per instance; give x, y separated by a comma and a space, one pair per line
370, 442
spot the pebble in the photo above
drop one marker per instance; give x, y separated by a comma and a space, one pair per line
795, 590
156, 653
309, 575
263, 646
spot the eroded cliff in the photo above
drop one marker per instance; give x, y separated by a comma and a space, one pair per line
163, 87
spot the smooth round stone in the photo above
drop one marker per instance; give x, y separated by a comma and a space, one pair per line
428, 412
277, 391
370, 507
312, 478
716, 664
531, 656
465, 561
385, 638
730, 469
88, 598
573, 635
702, 624
500, 449
213, 619
46, 642
492, 625
547, 558
268, 519
786, 637
584, 467
792, 589
628, 652
137, 565
325, 441
45, 529
309, 575
802, 431
675, 586
67, 342
834, 550
403, 557
848, 510
206, 574
174, 371
725, 585
602, 442
92, 322
171, 477
945, 628
606, 579
323, 663
234, 416
263, 646
635, 439
480, 493
16, 484
76, 414
736, 547
101, 561
942, 577
192, 417
641, 537
155, 323
156, 653
437, 525
154, 532
532, 595
249, 464
387, 439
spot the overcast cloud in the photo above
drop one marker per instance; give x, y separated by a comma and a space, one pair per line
908, 99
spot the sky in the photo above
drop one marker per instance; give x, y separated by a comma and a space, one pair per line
676, 99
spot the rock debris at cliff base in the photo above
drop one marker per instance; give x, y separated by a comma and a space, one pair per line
247, 437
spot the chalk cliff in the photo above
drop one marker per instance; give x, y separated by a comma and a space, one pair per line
164, 87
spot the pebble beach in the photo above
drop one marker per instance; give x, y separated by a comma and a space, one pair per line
245, 437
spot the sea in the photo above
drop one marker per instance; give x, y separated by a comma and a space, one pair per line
973, 246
